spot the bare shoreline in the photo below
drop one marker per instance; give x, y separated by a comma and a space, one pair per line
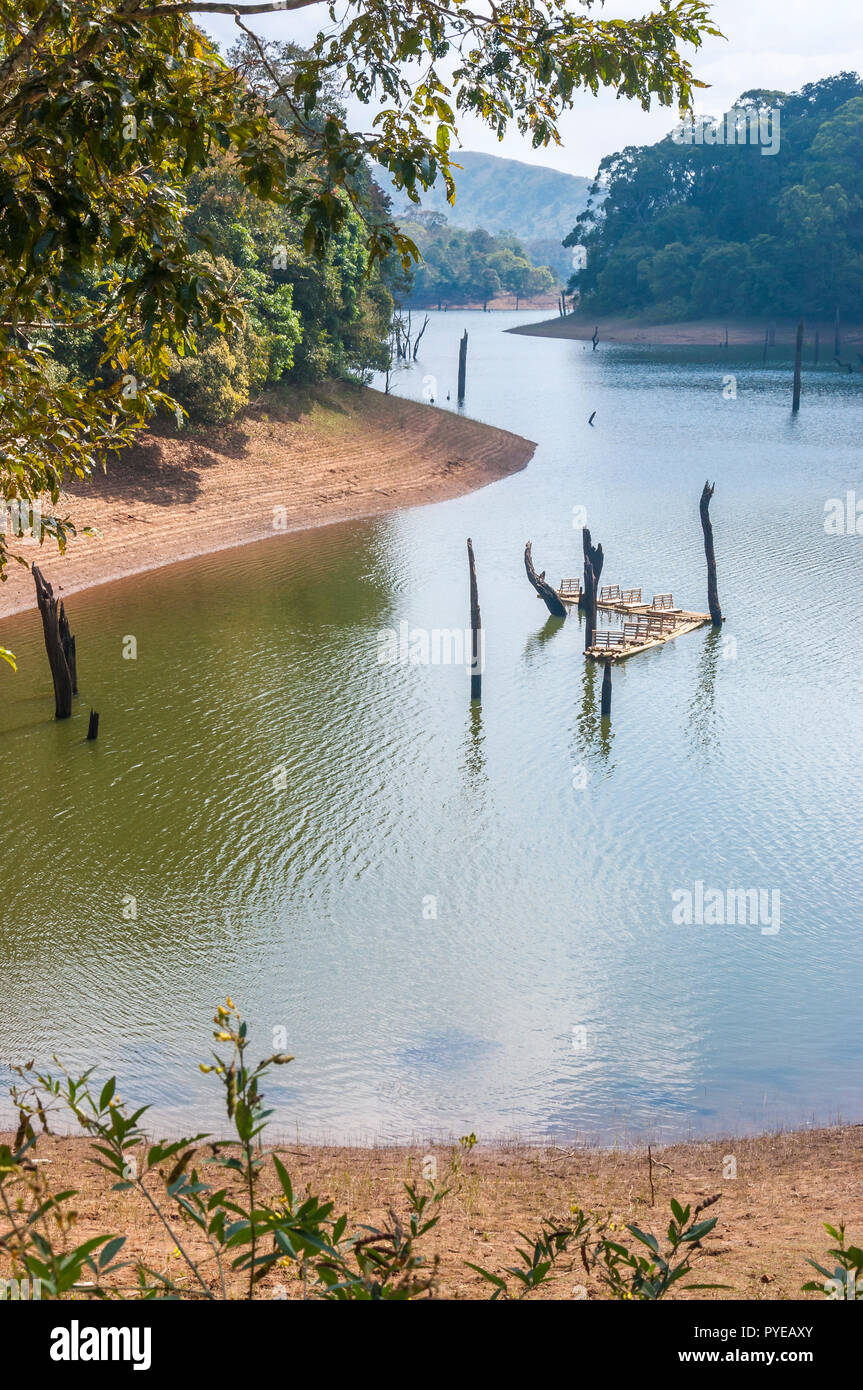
700, 333
776, 1191
294, 463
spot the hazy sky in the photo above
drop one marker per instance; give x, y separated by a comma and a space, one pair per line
769, 43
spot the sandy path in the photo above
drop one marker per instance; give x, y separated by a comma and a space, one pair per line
288, 465
702, 333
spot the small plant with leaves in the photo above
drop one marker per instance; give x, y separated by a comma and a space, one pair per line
629, 1274
846, 1279
385, 1264
240, 1235
39, 1225
537, 1257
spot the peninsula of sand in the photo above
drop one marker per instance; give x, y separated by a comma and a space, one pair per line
295, 461
709, 333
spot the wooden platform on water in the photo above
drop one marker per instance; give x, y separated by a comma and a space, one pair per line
673, 622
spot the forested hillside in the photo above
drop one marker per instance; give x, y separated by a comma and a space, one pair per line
534, 203
460, 267
675, 230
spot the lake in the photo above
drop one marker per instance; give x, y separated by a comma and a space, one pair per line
463, 917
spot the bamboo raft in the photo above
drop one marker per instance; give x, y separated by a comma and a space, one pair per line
645, 625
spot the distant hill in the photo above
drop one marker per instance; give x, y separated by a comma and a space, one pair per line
538, 204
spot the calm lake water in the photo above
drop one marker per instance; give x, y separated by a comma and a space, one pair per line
463, 918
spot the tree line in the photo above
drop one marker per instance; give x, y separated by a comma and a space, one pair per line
676, 230
470, 267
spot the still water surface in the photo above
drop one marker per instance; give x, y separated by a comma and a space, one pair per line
289, 813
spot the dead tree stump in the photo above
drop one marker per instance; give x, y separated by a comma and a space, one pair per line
59, 644
549, 596
593, 559
462, 366
475, 628
710, 556
67, 641
93, 726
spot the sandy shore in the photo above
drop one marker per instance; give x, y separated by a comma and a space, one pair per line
294, 462
769, 1216
701, 333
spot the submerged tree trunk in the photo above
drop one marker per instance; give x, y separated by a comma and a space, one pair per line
67, 642
710, 556
59, 644
475, 629
462, 366
548, 595
592, 570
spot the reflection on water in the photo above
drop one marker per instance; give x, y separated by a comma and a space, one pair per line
474, 758
702, 707
429, 895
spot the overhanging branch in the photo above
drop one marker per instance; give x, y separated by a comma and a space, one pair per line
192, 7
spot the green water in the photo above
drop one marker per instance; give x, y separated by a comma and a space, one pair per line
463, 918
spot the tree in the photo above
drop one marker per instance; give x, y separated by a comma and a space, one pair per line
108, 106
675, 230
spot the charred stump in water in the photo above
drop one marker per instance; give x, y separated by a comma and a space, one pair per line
710, 556
592, 570
462, 366
475, 629
549, 596
59, 644
67, 642
93, 726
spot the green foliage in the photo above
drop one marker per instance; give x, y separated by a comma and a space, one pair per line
676, 231
845, 1281
245, 1235
102, 118
538, 1258
110, 107
628, 1274
214, 386
459, 266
